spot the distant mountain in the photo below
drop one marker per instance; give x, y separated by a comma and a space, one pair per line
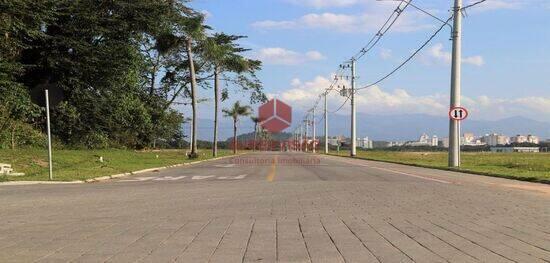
393, 127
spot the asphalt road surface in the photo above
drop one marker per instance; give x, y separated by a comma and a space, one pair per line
285, 207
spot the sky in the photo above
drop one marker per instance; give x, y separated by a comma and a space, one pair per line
506, 61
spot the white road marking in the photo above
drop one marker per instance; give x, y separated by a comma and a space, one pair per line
201, 177
230, 165
139, 179
403, 173
177, 178
412, 175
169, 178
242, 176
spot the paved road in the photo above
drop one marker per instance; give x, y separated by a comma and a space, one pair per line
279, 207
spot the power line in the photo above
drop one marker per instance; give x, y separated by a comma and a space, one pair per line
383, 30
409, 58
473, 4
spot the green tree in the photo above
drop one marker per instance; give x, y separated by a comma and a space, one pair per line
194, 30
224, 58
236, 111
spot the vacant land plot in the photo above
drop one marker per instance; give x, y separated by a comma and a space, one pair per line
72, 165
522, 166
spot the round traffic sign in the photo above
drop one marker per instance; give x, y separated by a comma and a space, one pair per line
458, 113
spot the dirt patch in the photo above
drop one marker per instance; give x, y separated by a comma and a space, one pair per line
40, 162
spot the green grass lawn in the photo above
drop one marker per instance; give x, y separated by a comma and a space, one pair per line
70, 165
522, 166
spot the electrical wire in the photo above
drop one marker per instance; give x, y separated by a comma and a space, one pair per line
473, 4
409, 58
392, 19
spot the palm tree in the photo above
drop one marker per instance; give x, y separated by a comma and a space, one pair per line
194, 30
235, 112
224, 55
256, 121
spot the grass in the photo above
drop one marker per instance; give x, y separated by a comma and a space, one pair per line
70, 165
533, 167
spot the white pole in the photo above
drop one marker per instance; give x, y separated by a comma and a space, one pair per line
326, 124
454, 127
190, 135
353, 150
307, 131
301, 138
314, 130
49, 134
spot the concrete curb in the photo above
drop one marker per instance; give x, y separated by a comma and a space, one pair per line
115, 176
148, 170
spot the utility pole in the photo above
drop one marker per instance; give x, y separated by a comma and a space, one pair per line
353, 150
454, 126
326, 124
301, 138
314, 132
307, 129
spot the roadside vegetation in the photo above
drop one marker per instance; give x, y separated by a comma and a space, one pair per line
71, 165
118, 72
521, 166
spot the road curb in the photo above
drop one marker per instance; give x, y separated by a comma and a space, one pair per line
522, 179
115, 176
148, 170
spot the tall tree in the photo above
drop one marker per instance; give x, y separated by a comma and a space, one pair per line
194, 29
235, 112
224, 58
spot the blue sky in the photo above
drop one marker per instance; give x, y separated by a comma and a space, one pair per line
506, 69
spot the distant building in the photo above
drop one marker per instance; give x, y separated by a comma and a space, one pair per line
364, 143
525, 139
336, 140
495, 139
435, 141
392, 144
424, 140
515, 149
469, 138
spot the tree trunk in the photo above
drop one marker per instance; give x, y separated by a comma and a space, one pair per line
193, 98
216, 109
235, 136
255, 135
154, 75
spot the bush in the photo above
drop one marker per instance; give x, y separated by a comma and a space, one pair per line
24, 135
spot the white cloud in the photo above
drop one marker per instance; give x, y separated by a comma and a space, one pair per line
385, 53
206, 14
497, 4
376, 100
436, 54
325, 3
369, 21
360, 23
281, 56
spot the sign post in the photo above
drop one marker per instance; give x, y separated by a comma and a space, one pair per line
457, 115
49, 134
